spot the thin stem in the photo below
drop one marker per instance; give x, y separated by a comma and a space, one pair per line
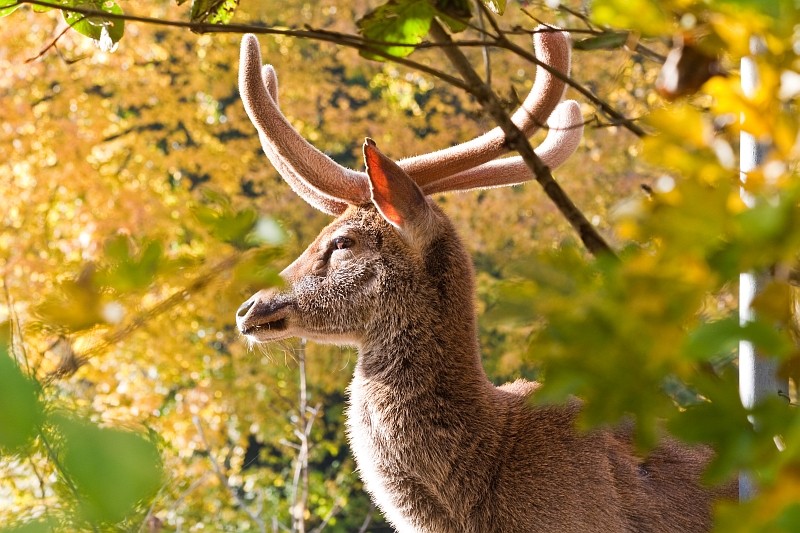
303, 424
367, 519
487, 63
17, 342
54, 42
223, 478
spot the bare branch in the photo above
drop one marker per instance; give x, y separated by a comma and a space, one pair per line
144, 317
52, 44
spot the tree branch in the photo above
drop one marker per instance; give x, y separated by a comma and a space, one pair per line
515, 139
366, 45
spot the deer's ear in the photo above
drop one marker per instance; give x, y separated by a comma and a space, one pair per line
397, 197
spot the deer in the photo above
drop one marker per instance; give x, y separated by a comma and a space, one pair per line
439, 447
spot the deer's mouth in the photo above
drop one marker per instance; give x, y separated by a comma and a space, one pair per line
267, 326
274, 325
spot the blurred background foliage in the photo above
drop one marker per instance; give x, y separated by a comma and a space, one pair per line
139, 212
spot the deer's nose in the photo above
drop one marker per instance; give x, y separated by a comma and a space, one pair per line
245, 307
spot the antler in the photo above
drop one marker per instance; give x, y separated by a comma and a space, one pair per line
314, 176
330, 187
565, 132
295, 181
553, 49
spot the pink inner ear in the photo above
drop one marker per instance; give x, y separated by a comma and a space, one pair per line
379, 179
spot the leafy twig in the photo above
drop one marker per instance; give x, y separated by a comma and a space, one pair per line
141, 319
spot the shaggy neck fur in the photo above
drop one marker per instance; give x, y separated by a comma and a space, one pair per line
420, 402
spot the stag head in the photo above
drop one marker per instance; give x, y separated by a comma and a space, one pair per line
370, 260
379, 252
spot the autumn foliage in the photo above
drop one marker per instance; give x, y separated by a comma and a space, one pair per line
139, 212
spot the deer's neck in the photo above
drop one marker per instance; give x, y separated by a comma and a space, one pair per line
421, 407
424, 339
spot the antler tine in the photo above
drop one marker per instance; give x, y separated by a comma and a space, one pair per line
566, 130
553, 49
270, 79
294, 157
298, 185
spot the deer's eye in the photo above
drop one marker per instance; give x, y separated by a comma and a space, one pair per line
341, 243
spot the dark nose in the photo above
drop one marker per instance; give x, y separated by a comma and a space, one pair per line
245, 307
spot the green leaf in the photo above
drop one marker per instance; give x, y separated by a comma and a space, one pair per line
454, 13
721, 337
397, 21
460, 9
605, 41
225, 223
97, 27
257, 270
713, 339
129, 271
114, 470
213, 11
20, 409
497, 6
8, 6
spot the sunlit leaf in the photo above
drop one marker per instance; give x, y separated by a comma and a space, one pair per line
8, 6
75, 304
497, 6
645, 16
213, 11
97, 27
771, 8
397, 21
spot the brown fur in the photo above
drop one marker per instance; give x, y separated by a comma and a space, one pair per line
437, 445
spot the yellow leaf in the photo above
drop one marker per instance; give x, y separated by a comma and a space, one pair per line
681, 122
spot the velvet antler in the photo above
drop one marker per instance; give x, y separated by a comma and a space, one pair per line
314, 176
330, 187
565, 132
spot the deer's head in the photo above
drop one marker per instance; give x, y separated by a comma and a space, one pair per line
390, 248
